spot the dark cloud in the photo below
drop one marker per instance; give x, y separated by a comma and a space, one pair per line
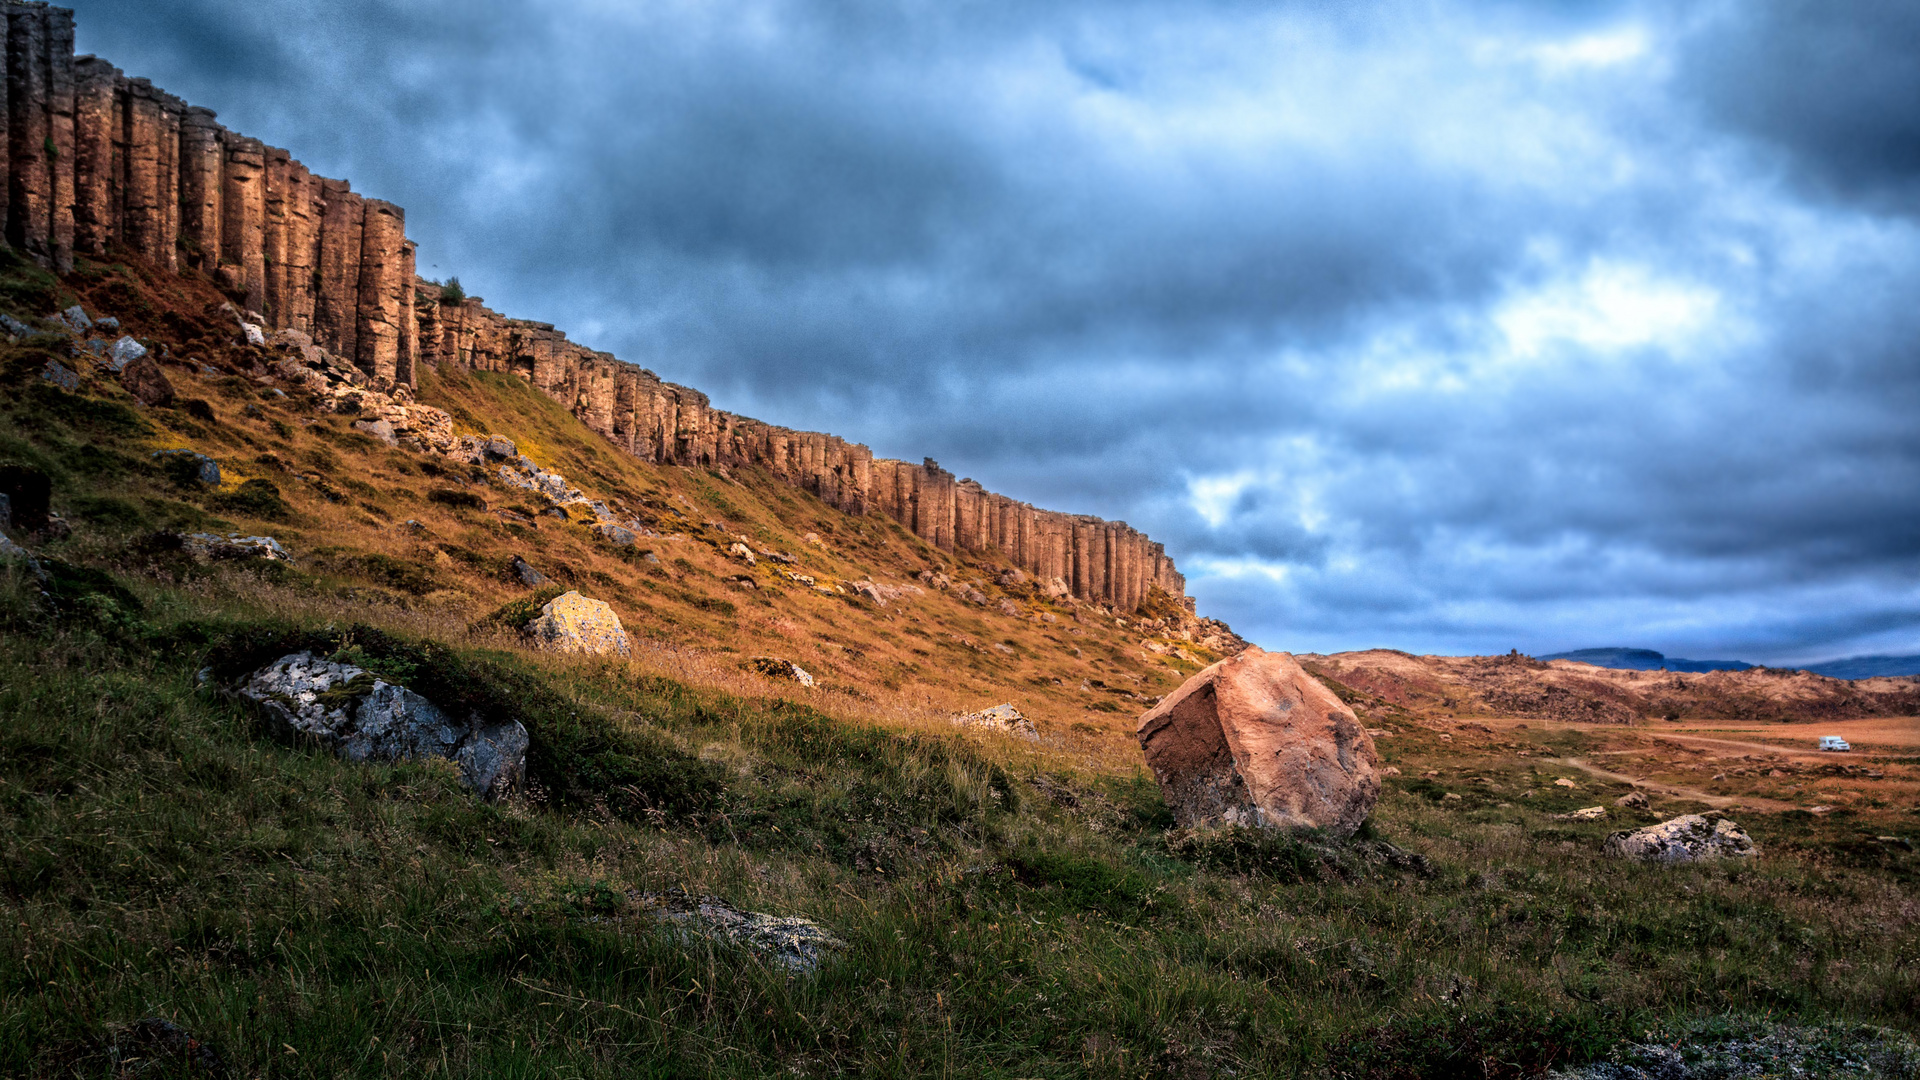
1461, 327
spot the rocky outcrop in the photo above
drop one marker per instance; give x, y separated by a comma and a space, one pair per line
1255, 740
571, 623
1685, 839
779, 667
362, 717
96, 160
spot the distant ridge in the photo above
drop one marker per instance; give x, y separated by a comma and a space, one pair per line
1868, 667
1644, 660
1851, 667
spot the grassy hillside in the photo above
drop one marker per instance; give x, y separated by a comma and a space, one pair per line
1008, 908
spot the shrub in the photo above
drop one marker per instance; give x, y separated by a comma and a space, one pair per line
456, 498
453, 292
253, 498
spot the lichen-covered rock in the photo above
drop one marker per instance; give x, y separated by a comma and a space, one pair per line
1003, 717
793, 942
234, 546
1255, 740
1685, 839
526, 574
362, 717
574, 623
617, 535
777, 667
61, 376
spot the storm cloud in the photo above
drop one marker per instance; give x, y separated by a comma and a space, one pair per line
1447, 327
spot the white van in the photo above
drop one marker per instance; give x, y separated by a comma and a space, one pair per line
1833, 742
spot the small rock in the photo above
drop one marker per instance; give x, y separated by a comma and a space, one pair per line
76, 319
124, 352
147, 383
814, 539
14, 327
106, 324
1391, 770
744, 583
1633, 800
742, 552
1591, 813
1450, 797
528, 576
379, 429
189, 467
61, 376
256, 335
1008, 607
1688, 838
501, 448
1564, 782
974, 596
1003, 717
617, 535
776, 667
573, 623
1819, 810
1011, 576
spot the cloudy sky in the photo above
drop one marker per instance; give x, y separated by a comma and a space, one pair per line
1446, 326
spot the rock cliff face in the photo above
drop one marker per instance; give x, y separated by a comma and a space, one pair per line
96, 161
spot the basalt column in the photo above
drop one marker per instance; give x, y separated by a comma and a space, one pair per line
337, 310
202, 178
60, 119
243, 228
276, 180
377, 338
29, 181
96, 128
407, 368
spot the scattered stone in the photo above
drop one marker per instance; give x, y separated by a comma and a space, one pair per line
814, 539
362, 717
75, 319
10, 550
1633, 800
1819, 810
744, 583
124, 352
1255, 740
14, 327
1688, 838
61, 376
1450, 797
106, 324
617, 535
1008, 607
573, 623
379, 429
974, 596
1003, 718
743, 553
501, 448
528, 576
147, 383
1011, 576
1391, 770
776, 667
160, 1046
189, 467
1591, 813
212, 546
800, 945
255, 333
1564, 782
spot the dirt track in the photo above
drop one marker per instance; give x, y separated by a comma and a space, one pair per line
1715, 801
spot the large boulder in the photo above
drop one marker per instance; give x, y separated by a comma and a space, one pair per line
574, 623
362, 717
1687, 838
1255, 740
146, 382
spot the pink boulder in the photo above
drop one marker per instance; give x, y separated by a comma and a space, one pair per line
1255, 740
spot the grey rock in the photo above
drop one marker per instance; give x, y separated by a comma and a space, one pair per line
379, 429
106, 324
197, 467
528, 576
779, 667
61, 376
75, 319
14, 327
6, 510
974, 596
255, 333
501, 448
1685, 839
571, 622
617, 535
123, 352
362, 717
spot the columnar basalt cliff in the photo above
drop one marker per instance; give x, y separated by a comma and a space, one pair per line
97, 162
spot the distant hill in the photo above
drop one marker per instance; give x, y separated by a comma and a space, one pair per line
1868, 667
1648, 660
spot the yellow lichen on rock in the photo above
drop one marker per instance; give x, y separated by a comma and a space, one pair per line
574, 623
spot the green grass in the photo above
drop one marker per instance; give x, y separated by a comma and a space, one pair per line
158, 856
